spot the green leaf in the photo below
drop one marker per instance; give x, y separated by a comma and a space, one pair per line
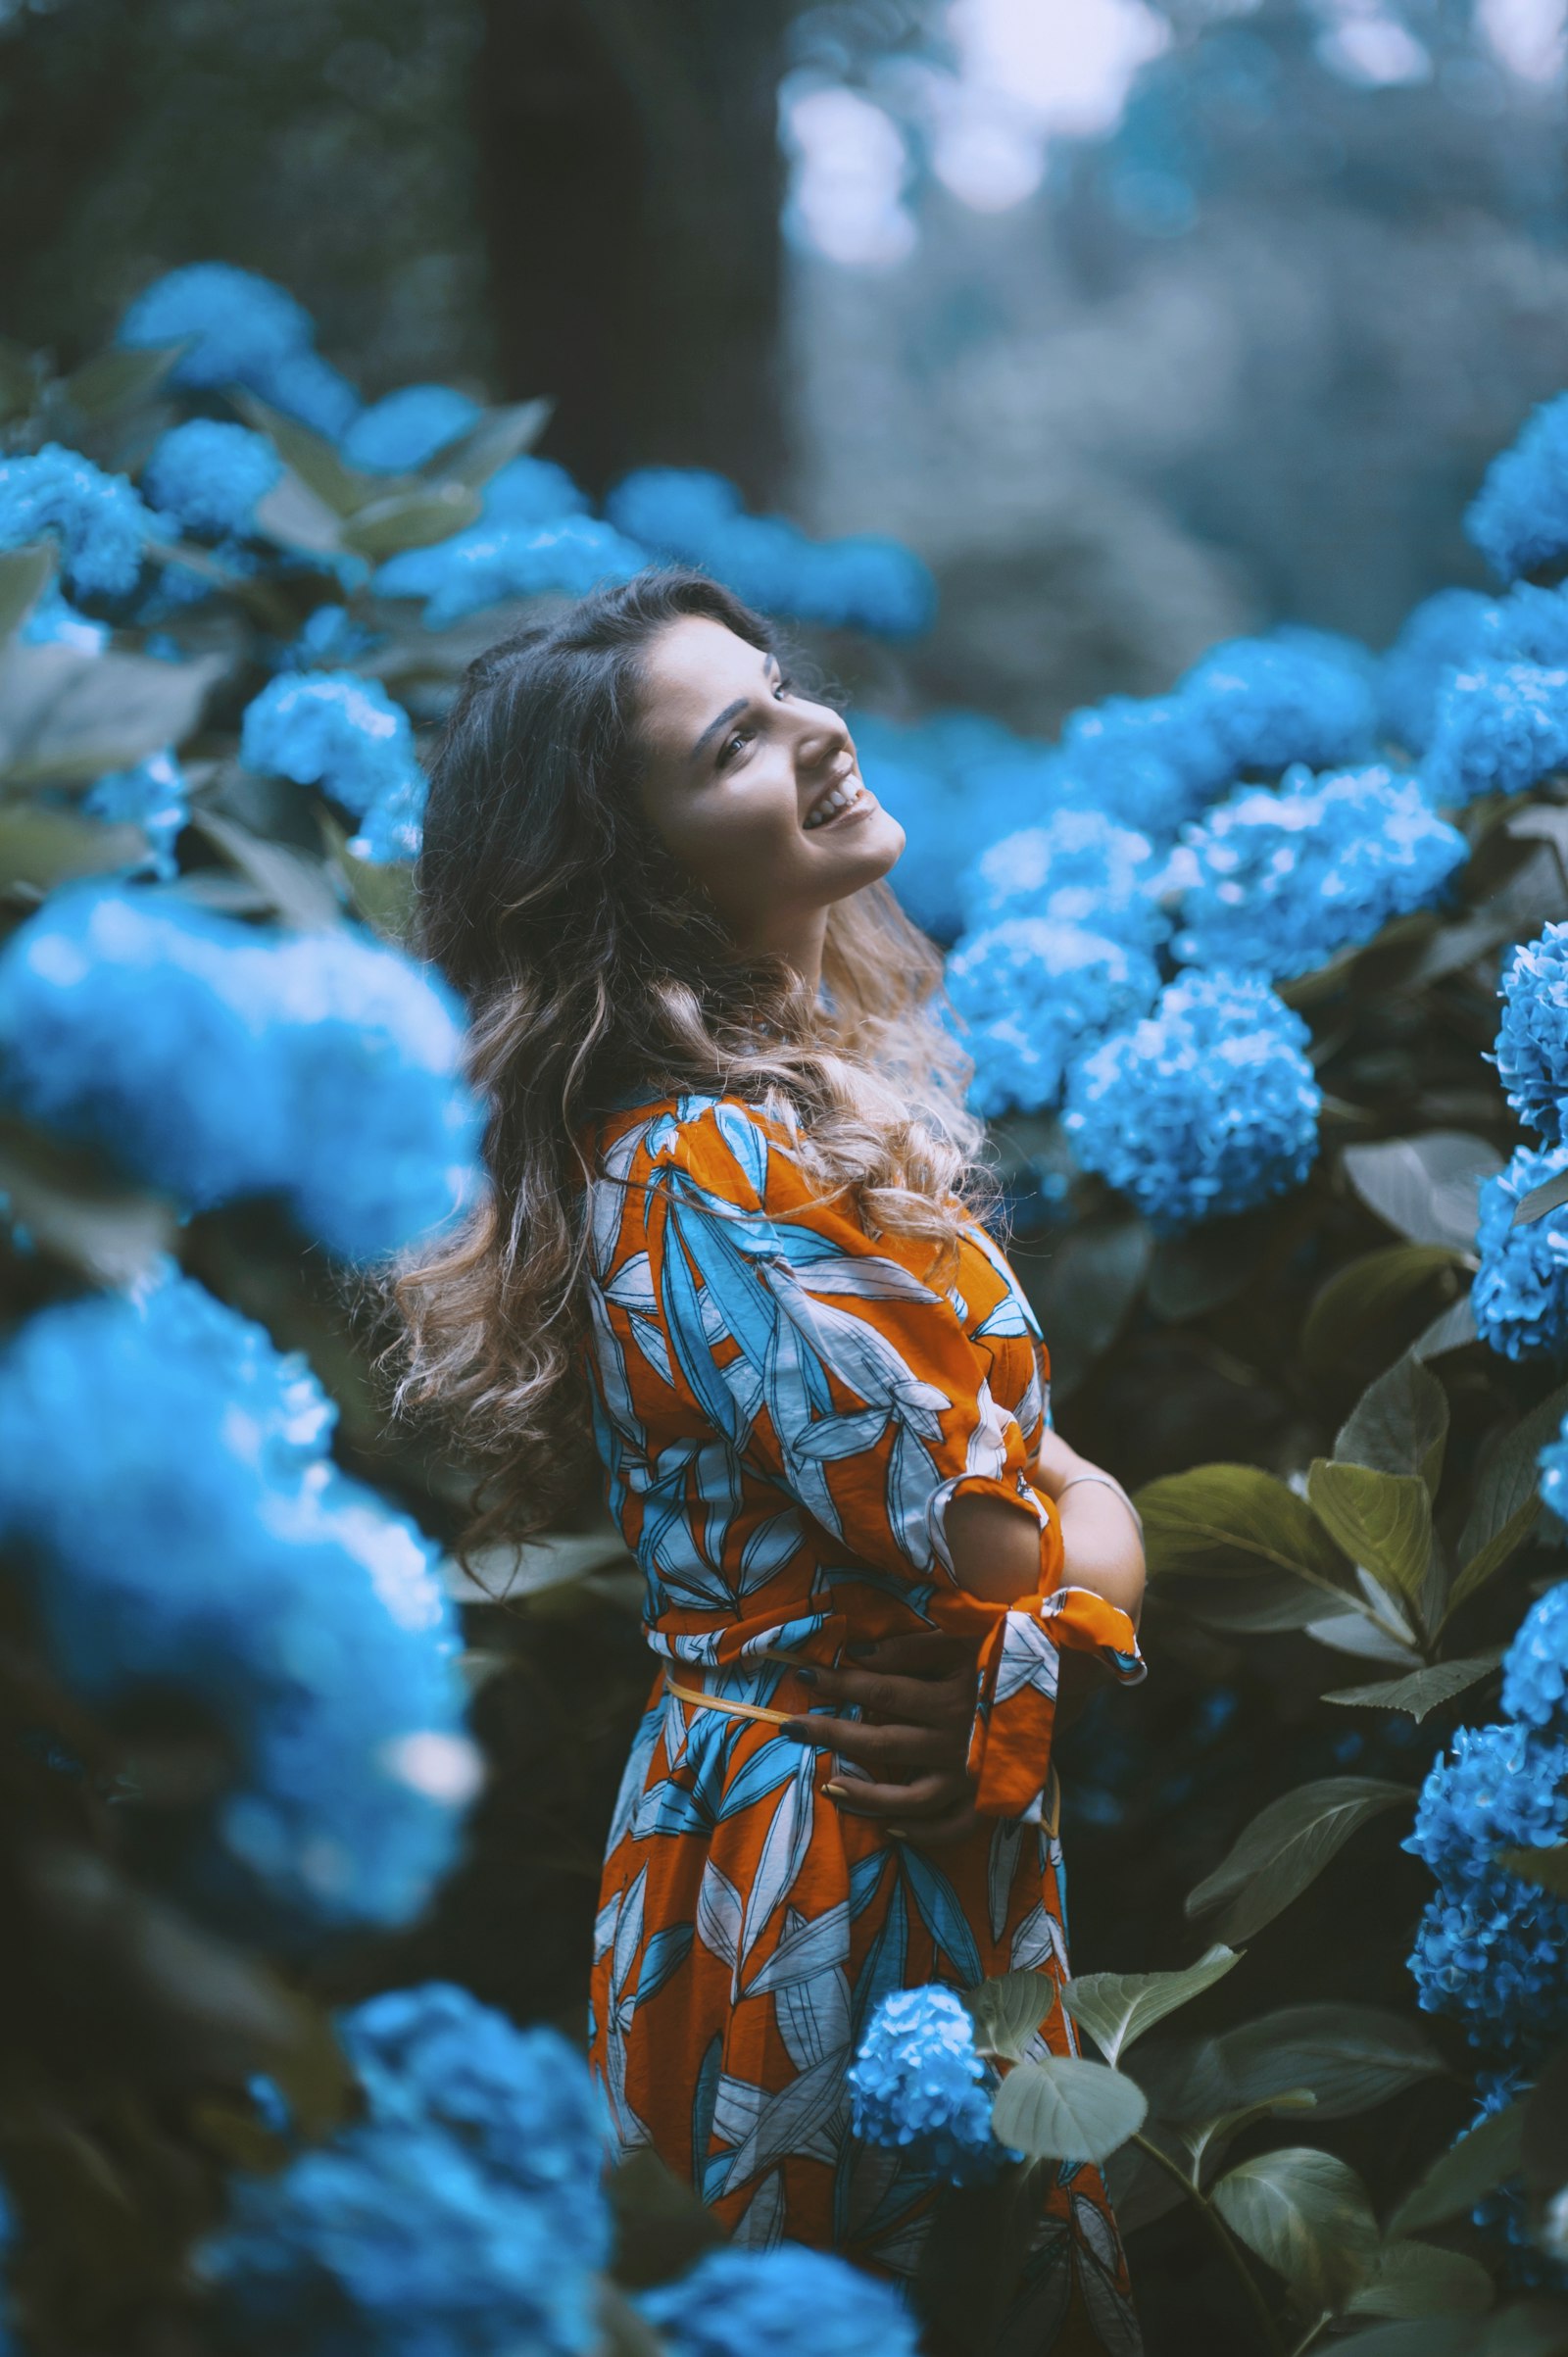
1063, 2109
410, 520
297, 889
1287, 1845
1506, 1506
120, 377
41, 848
382, 895
19, 379
66, 716
1360, 1296
1549, 1197
343, 488
1083, 1287
1426, 1186
491, 442
1423, 1690
1416, 2279
1351, 2057
1450, 1330
1258, 1606
1235, 1520
296, 516
1204, 2140
1398, 1425
24, 574
1481, 2161
660, 2226
1307, 2215
109, 1232
1008, 2011
1383, 1638
1546, 1868
1381, 1520
1115, 2008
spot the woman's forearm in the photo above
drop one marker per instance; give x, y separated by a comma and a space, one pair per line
1101, 1541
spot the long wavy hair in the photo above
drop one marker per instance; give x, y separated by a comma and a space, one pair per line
596, 975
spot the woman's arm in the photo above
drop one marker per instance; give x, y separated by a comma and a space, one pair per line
996, 1550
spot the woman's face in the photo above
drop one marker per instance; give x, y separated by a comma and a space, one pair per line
753, 789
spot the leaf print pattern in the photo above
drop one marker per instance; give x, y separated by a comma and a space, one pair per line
785, 1406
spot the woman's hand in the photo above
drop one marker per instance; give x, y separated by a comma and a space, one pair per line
918, 1694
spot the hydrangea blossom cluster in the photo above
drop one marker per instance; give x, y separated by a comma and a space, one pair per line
153, 796
1519, 518
917, 2083
1265, 702
206, 476
953, 782
1532, 1054
1150, 763
1437, 636
168, 1500
1503, 2216
1528, 625
241, 329
216, 1061
1520, 1295
567, 556
1030, 996
97, 519
1535, 1670
331, 729
787, 2303
1206, 1107
529, 491
1279, 883
1499, 728
408, 427
865, 582
1079, 869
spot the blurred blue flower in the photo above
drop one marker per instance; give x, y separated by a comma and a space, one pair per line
1520, 1295
328, 634
1437, 636
153, 796
676, 509
307, 387
215, 1061
955, 782
787, 2303
1030, 996
1499, 727
460, 576
1206, 1107
1519, 518
97, 519
331, 729
1078, 868
529, 491
1281, 883
917, 2083
55, 622
1532, 1054
144, 1443
1535, 1669
1150, 763
208, 476
406, 427
392, 829
242, 330
1528, 625
1270, 701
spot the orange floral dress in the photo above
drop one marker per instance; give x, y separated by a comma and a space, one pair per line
785, 1406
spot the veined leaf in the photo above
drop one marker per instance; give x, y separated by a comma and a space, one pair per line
1235, 1519
1115, 2008
24, 574
1361, 1295
1367, 1638
120, 376
1381, 1520
1008, 2011
343, 488
1550, 1196
429, 513
1398, 1425
1258, 1606
1547, 1868
1350, 2057
1482, 2160
1286, 1847
491, 442
1423, 1690
1507, 1504
1204, 2140
1416, 2279
1425, 1186
1063, 2109
1308, 2215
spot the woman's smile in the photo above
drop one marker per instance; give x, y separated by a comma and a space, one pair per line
841, 803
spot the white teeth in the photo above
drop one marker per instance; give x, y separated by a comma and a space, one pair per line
831, 803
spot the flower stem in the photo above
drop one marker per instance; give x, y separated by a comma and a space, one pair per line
1227, 2242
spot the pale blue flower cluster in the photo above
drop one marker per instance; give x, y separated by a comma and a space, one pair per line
154, 795
1519, 518
1078, 868
331, 729
1437, 636
918, 2085
206, 476
1281, 883
328, 634
215, 1061
955, 782
529, 491
408, 427
1535, 1669
1532, 1053
168, 1503
1499, 728
98, 520
1030, 996
865, 582
1520, 1295
1528, 625
241, 329
1150, 763
1206, 1107
786, 2303
565, 555
55, 622
1265, 702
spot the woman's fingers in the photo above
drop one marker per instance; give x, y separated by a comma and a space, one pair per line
881, 1746
901, 1701
921, 1654
922, 1797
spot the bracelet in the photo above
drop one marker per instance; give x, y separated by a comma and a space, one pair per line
1107, 1481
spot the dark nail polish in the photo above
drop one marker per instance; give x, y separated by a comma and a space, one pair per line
796, 1731
807, 1677
860, 1651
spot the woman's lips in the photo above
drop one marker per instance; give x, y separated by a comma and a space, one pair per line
851, 798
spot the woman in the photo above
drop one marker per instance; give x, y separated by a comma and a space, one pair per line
730, 1166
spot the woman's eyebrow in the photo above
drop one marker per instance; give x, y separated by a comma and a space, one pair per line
731, 712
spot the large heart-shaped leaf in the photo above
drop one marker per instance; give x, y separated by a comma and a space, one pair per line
1008, 2010
1063, 2109
1381, 1520
1481, 2161
1415, 2278
1398, 1425
1507, 1504
1286, 1847
1308, 2215
1425, 1188
1235, 1520
1366, 1295
1423, 1690
1351, 2056
1115, 2008
1204, 2140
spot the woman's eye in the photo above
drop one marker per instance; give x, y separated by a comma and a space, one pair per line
783, 686
733, 746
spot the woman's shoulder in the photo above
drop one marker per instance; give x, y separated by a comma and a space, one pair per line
736, 1150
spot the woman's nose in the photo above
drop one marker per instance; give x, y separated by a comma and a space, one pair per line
823, 737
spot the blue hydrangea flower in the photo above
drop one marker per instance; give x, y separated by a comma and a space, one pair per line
1532, 1055
328, 634
404, 428
1206, 1107
566, 557
241, 329
215, 1061
1499, 728
331, 729
529, 491
168, 1500
1281, 883
55, 622
675, 510
1535, 1669
1030, 997
917, 2083
393, 827
1528, 625
520, 2103
97, 519
1498, 1788
1520, 1295
1079, 869
1519, 518
955, 782
208, 476
1270, 701
153, 796
787, 2303
1437, 636
1150, 763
